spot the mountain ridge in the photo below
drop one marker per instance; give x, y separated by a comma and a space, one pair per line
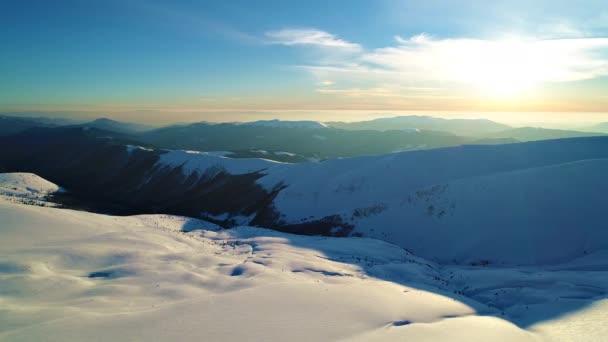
370, 196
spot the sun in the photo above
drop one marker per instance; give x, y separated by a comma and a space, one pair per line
504, 69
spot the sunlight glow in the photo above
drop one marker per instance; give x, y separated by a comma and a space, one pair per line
503, 67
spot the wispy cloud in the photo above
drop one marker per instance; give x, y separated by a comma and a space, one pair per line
359, 92
197, 23
389, 92
314, 37
481, 61
449, 66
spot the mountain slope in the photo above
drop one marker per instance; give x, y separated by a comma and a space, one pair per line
106, 277
466, 127
116, 126
17, 124
66, 274
538, 133
533, 216
318, 143
286, 124
402, 197
407, 197
601, 127
26, 186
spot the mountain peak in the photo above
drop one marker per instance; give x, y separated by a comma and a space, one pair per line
286, 124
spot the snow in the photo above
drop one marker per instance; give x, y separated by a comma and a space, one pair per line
281, 153
548, 214
66, 274
202, 163
25, 186
131, 148
484, 200
286, 124
213, 153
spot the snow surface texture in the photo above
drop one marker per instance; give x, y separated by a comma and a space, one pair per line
25, 187
71, 276
462, 205
208, 164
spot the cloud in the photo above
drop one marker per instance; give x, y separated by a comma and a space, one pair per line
486, 61
358, 92
312, 37
192, 22
508, 66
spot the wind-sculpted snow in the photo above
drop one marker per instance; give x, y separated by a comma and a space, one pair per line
67, 275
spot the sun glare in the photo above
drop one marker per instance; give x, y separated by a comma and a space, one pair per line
504, 68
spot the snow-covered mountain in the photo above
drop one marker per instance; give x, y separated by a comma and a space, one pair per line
66, 274
286, 124
450, 205
477, 202
25, 186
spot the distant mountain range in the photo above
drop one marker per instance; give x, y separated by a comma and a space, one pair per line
465, 127
15, 124
300, 141
10, 124
537, 133
601, 127
317, 143
116, 126
286, 124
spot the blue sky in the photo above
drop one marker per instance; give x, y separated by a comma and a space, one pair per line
210, 56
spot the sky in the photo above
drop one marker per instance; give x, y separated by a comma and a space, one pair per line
173, 61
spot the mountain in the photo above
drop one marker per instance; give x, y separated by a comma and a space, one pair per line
538, 133
466, 127
25, 186
462, 192
286, 124
406, 198
601, 127
495, 141
311, 143
10, 124
16, 124
181, 275
53, 118
116, 126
